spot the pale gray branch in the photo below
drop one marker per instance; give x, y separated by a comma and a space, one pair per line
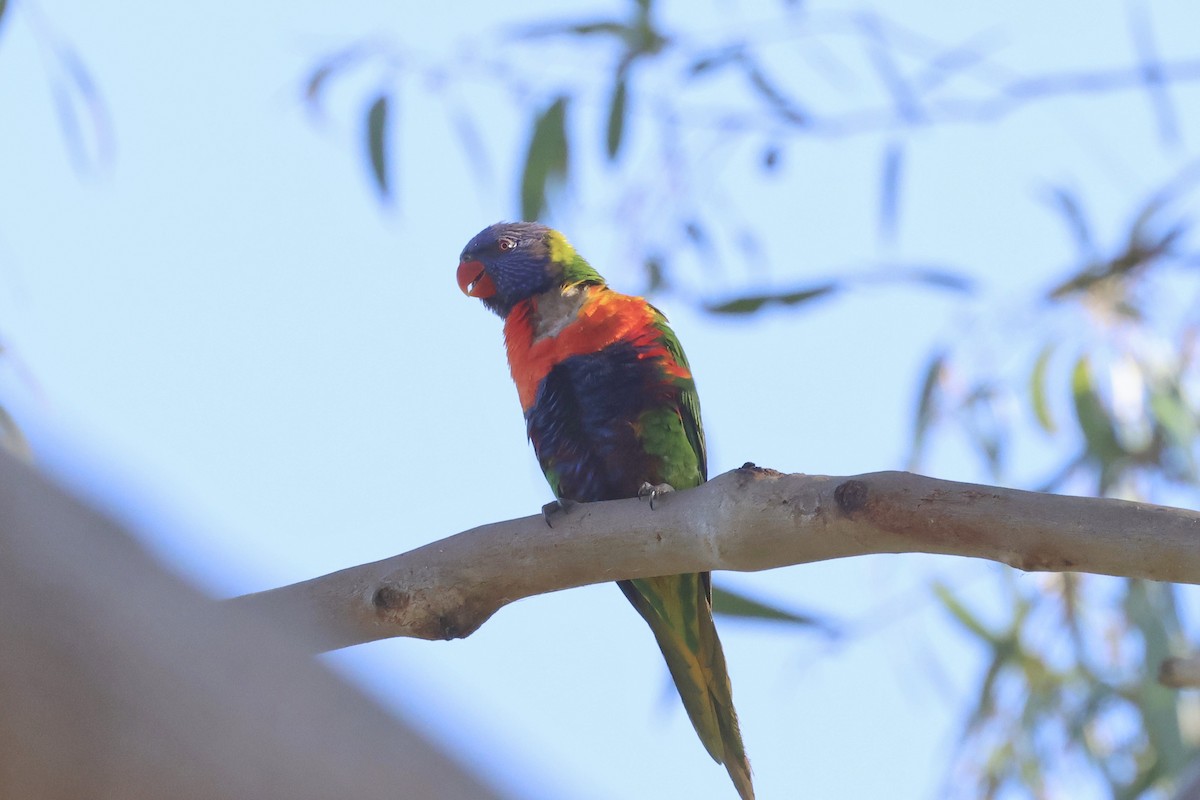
746, 520
119, 681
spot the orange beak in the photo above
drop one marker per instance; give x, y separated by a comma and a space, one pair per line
474, 280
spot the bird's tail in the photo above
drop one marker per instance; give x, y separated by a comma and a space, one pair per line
678, 609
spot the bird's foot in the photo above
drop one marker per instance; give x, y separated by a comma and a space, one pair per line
553, 509
653, 491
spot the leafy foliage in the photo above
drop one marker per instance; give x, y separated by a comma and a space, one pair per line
1129, 373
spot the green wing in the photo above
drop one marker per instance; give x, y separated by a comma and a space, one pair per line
678, 608
689, 399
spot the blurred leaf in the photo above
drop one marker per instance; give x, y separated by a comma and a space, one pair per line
962, 615
377, 151
600, 26
639, 36
1037, 390
1152, 610
1072, 210
656, 273
697, 235
751, 303
3, 8
774, 97
926, 406
940, 278
713, 61
1176, 419
1146, 243
730, 603
315, 84
77, 99
889, 189
547, 159
616, 116
770, 158
1092, 416
332, 65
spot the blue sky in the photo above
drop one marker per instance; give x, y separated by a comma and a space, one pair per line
223, 336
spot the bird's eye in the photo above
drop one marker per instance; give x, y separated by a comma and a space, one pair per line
506, 244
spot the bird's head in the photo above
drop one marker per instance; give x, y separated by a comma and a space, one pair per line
509, 262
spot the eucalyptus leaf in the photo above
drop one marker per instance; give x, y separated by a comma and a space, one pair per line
926, 405
1037, 390
963, 615
546, 160
616, 117
752, 303
377, 152
730, 603
1093, 417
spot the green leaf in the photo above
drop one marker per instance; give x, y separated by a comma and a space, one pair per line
616, 116
926, 407
547, 159
963, 615
1037, 390
730, 603
752, 303
656, 273
377, 153
1174, 417
601, 26
3, 8
1092, 416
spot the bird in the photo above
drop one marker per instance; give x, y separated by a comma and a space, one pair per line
612, 412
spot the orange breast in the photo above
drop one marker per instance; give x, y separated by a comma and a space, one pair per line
605, 317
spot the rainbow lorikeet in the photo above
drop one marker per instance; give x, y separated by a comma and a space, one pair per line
612, 412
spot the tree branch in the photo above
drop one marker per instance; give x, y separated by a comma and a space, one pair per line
119, 681
746, 520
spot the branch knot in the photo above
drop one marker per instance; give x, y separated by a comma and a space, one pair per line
851, 496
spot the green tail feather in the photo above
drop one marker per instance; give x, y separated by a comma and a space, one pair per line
678, 609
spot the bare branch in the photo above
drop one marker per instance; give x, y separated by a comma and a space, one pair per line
746, 520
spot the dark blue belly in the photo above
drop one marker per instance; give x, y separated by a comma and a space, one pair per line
582, 422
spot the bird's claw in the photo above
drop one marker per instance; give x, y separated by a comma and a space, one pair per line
653, 491
552, 509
